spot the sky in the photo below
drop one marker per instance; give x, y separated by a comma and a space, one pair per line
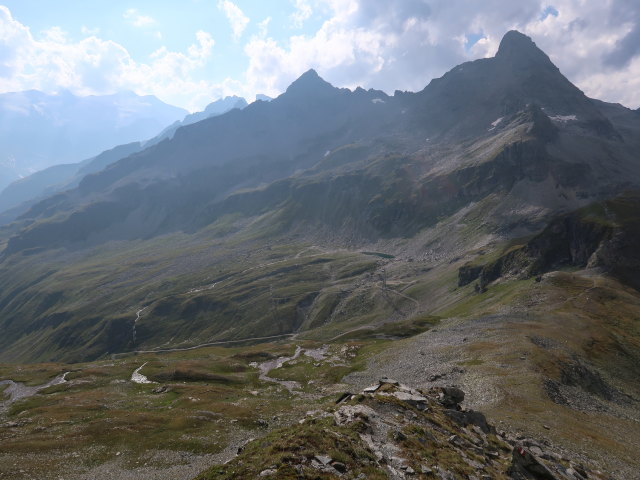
191, 52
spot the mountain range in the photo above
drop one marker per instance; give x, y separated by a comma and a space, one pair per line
485, 226
59, 124
507, 136
20, 194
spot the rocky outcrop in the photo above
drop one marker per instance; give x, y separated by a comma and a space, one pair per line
602, 235
525, 465
393, 431
468, 273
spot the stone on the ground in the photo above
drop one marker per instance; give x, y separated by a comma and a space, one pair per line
525, 465
451, 397
417, 401
348, 414
323, 459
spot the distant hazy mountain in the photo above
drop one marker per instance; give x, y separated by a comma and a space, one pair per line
18, 196
41, 130
264, 98
59, 177
213, 109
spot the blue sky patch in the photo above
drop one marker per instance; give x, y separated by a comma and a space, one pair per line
472, 39
550, 10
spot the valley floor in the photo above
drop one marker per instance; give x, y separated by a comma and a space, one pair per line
554, 359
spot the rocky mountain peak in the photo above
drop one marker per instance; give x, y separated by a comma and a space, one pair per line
310, 84
519, 48
224, 104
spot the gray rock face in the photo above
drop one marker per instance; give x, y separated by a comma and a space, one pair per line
470, 417
417, 401
350, 413
451, 397
525, 466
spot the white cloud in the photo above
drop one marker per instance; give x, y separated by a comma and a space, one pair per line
403, 44
236, 17
135, 18
302, 13
95, 66
89, 31
263, 27
385, 44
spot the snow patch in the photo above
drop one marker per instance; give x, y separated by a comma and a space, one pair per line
563, 118
377, 100
495, 123
327, 153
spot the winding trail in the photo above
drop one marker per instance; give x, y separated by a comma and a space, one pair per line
213, 285
586, 291
387, 289
203, 345
202, 289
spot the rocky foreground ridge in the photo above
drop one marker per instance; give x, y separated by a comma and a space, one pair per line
393, 431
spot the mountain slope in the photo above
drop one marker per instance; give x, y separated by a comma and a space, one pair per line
490, 152
479, 101
214, 109
600, 236
42, 130
262, 143
20, 195
480, 232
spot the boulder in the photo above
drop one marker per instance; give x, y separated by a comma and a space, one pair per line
348, 414
469, 417
417, 401
371, 389
389, 381
451, 397
323, 459
526, 466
